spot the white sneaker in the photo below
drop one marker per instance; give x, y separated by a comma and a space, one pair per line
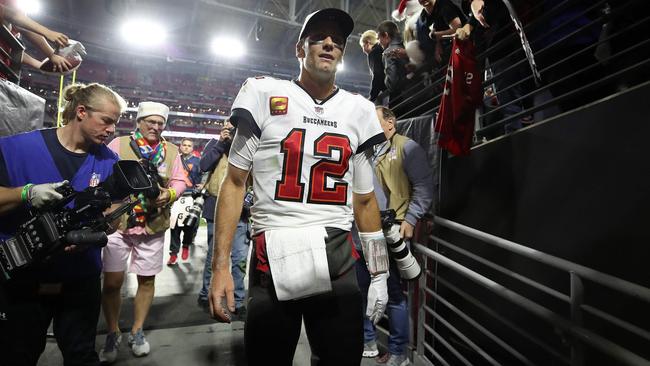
138, 343
108, 353
370, 350
398, 360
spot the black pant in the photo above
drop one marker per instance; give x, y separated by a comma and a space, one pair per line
175, 237
333, 321
27, 316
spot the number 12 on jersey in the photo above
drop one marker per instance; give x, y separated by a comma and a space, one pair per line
290, 187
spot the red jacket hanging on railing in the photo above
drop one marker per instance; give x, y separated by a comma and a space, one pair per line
462, 94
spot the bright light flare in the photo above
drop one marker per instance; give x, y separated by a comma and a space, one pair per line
228, 47
30, 7
143, 32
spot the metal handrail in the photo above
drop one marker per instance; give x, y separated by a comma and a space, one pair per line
516, 328
604, 279
549, 291
586, 336
451, 348
577, 91
476, 348
481, 328
546, 69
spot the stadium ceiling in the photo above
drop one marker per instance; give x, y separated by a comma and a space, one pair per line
269, 28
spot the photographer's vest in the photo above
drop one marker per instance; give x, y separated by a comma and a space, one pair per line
160, 222
390, 172
28, 160
213, 186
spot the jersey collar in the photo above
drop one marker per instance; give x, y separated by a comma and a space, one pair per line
336, 90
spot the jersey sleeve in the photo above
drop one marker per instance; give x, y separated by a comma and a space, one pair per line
362, 181
248, 107
370, 131
243, 148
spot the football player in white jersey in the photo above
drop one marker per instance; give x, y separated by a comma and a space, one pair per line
308, 146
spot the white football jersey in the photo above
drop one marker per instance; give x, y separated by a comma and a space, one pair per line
302, 168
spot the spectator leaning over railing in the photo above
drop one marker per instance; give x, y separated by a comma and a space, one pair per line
438, 18
490, 23
371, 47
37, 34
390, 39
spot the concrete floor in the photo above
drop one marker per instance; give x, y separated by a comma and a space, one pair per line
178, 331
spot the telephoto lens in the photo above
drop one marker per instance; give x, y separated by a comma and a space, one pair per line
194, 215
407, 265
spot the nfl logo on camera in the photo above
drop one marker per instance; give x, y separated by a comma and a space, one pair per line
94, 180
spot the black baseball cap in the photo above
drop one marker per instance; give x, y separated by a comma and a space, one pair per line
337, 16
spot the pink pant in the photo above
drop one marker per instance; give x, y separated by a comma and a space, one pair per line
146, 253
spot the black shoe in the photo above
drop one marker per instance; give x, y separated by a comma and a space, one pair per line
203, 304
240, 314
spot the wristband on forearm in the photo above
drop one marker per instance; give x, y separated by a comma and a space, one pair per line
375, 252
24, 194
172, 195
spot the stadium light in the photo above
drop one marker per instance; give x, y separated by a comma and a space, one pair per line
143, 32
340, 67
30, 7
228, 47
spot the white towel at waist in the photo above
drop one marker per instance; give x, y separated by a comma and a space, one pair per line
298, 262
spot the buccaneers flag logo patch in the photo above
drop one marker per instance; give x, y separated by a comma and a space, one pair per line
279, 105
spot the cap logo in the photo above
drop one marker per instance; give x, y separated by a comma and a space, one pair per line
279, 105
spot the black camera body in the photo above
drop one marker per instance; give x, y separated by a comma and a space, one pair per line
387, 218
194, 215
51, 228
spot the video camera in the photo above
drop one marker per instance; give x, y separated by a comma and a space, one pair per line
51, 228
407, 265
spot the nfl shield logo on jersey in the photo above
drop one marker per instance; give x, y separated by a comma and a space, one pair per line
319, 110
279, 105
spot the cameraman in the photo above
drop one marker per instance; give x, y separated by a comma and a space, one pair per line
141, 234
67, 287
215, 160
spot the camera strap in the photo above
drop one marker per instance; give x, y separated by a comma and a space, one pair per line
135, 148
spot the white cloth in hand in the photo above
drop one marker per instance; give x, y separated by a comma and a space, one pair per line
40, 195
377, 297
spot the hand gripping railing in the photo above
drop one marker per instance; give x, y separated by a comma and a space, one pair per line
573, 327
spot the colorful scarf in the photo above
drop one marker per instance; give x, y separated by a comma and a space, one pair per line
156, 155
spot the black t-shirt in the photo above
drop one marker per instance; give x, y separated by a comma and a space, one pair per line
444, 11
67, 162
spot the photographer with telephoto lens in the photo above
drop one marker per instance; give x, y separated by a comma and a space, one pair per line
179, 223
66, 288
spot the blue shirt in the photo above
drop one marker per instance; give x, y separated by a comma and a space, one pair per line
34, 157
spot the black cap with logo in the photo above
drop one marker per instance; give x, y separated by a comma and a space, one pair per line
337, 16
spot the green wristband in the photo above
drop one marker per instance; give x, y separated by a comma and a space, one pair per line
25, 191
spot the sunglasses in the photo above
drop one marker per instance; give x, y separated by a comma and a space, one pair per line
319, 38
